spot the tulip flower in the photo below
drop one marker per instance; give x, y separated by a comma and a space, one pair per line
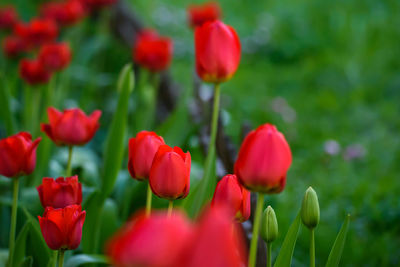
14, 46
142, 150
33, 72
217, 51
8, 17
155, 241
231, 193
61, 192
170, 173
152, 52
72, 127
38, 31
64, 13
62, 228
199, 14
55, 57
264, 159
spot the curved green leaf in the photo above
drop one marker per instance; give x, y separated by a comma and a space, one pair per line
81, 259
337, 248
285, 255
90, 232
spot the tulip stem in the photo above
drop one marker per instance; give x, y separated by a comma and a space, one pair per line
256, 229
269, 245
148, 201
69, 162
312, 248
170, 206
13, 220
61, 258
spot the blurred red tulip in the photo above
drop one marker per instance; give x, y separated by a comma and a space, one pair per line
155, 241
217, 51
33, 72
55, 57
60, 193
216, 242
199, 14
38, 31
142, 150
170, 173
62, 228
231, 193
13, 46
64, 13
18, 155
8, 17
96, 4
264, 159
152, 51
71, 127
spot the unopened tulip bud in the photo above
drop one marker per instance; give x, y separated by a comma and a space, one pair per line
310, 209
269, 226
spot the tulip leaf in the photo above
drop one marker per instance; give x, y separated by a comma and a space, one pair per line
337, 248
27, 262
5, 111
20, 243
82, 259
115, 142
109, 221
91, 227
285, 255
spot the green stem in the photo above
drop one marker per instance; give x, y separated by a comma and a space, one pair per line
256, 229
61, 258
269, 245
148, 201
36, 108
13, 221
54, 258
170, 207
312, 248
69, 163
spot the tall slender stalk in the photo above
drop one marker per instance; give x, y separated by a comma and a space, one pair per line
148, 200
61, 258
256, 230
312, 248
269, 245
69, 163
170, 207
13, 224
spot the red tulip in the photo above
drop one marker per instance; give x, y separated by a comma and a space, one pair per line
8, 17
18, 155
170, 173
71, 127
231, 193
155, 241
60, 193
64, 13
152, 51
199, 14
142, 150
14, 46
216, 242
55, 57
38, 31
62, 228
264, 159
33, 72
217, 51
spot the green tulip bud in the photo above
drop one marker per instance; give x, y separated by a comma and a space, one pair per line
269, 225
310, 209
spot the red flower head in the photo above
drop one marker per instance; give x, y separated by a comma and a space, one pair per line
217, 51
62, 228
64, 13
199, 14
152, 51
142, 150
231, 193
97, 4
38, 31
33, 72
18, 155
264, 159
8, 17
71, 127
60, 193
14, 46
170, 173
155, 241
216, 241
55, 57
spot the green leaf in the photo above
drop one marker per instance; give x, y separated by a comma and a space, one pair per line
115, 145
5, 111
109, 221
90, 232
20, 243
285, 255
81, 259
337, 248
27, 262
